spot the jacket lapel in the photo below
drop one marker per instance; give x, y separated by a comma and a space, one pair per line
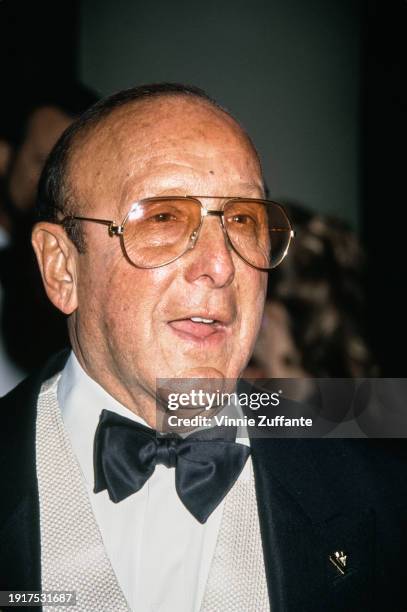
73, 555
237, 578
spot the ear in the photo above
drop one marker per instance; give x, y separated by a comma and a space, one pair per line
5, 156
57, 260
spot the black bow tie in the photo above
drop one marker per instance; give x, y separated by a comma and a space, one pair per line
126, 454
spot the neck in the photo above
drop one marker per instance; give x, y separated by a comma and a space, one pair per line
136, 399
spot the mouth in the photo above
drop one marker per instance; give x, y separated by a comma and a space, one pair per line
198, 328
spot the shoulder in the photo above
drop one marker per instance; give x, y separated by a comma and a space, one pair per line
16, 406
325, 476
18, 411
326, 473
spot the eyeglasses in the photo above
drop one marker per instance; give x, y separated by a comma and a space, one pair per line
157, 231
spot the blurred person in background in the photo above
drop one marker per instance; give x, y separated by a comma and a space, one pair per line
30, 128
313, 324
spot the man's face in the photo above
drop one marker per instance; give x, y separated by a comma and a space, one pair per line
44, 127
133, 325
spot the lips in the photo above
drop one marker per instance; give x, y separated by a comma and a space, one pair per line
202, 326
195, 329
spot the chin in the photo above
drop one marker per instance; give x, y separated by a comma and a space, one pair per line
202, 372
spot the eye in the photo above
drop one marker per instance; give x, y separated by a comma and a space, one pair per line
163, 217
242, 219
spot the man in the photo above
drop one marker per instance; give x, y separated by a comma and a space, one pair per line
27, 134
21, 160
156, 284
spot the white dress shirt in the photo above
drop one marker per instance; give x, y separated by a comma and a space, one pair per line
160, 553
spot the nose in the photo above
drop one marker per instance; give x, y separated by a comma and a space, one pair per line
210, 262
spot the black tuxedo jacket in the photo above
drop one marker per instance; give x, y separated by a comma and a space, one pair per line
314, 497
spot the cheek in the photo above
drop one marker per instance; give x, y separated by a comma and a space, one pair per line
252, 292
126, 306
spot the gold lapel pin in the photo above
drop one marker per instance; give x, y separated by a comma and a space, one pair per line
338, 559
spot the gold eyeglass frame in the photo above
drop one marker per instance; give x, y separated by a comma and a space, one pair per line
117, 229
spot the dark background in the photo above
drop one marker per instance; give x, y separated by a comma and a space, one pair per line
320, 85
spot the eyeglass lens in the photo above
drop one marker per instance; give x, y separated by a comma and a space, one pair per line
159, 230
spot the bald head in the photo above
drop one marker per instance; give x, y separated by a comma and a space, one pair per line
157, 137
114, 144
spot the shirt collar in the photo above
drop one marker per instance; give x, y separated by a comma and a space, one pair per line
81, 400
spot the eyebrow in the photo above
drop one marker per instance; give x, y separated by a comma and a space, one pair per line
254, 187
251, 187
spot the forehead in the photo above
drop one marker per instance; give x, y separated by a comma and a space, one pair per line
164, 146
167, 145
